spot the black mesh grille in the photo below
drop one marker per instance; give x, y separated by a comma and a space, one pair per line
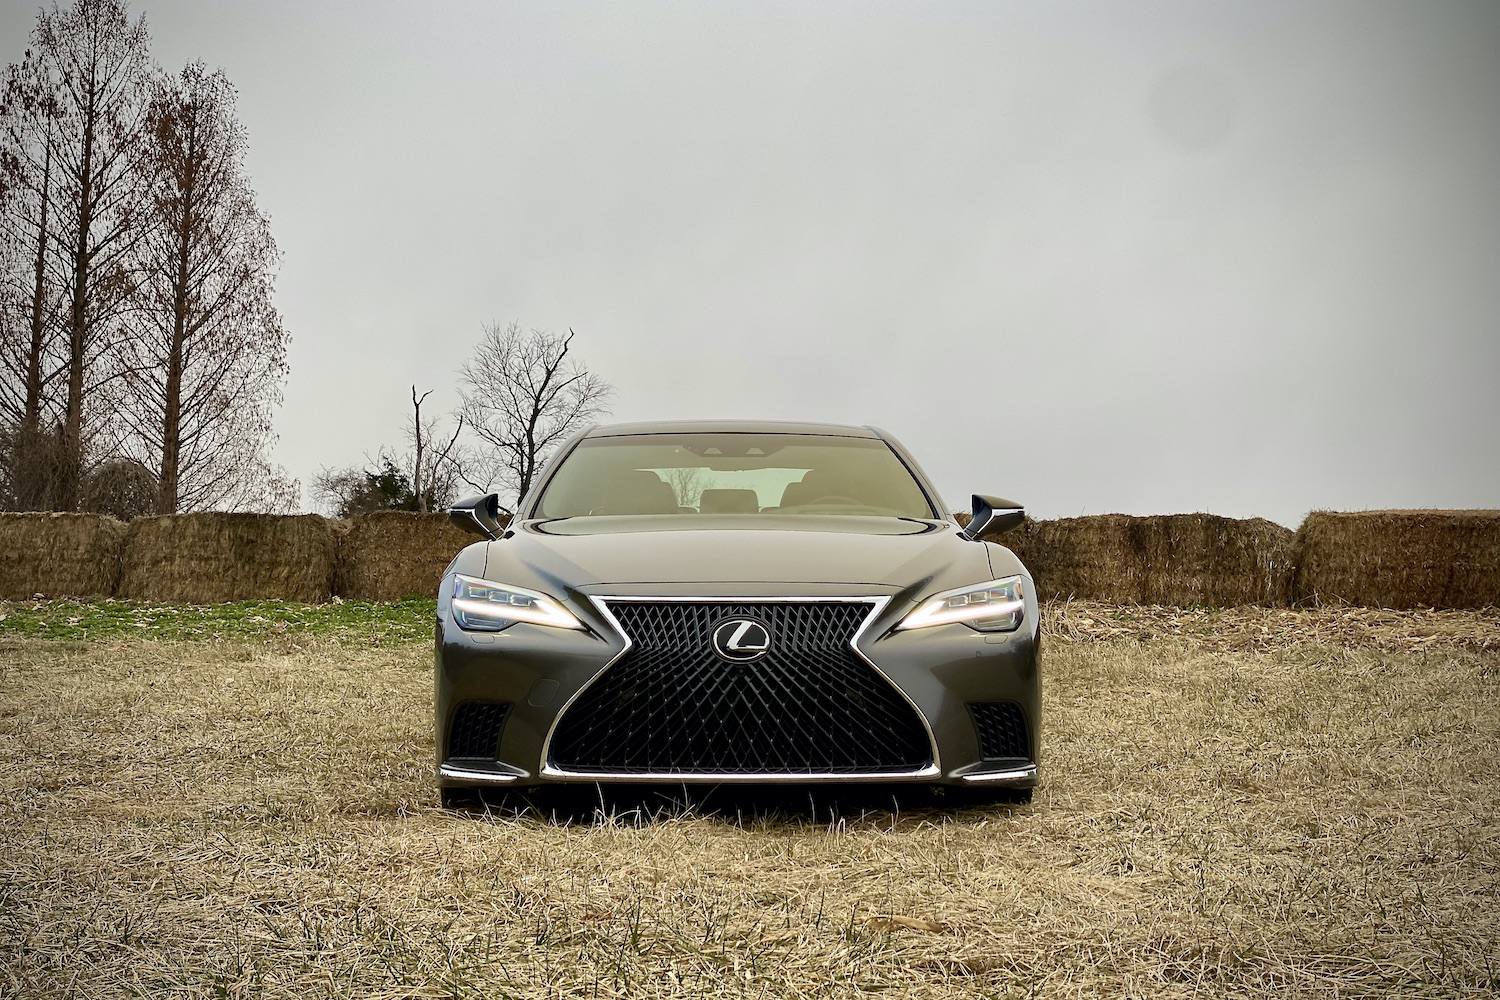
475, 733
1002, 730
810, 705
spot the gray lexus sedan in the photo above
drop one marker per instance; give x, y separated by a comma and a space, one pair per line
716, 602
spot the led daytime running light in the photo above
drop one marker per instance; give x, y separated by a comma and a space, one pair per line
997, 606
482, 606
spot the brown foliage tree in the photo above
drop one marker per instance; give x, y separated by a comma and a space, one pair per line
30, 305
70, 123
523, 395
205, 358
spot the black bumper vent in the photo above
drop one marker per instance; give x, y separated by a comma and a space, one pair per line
810, 705
475, 733
1002, 730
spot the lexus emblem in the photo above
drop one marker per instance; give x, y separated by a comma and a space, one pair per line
741, 640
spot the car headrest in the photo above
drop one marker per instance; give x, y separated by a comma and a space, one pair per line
729, 502
813, 485
637, 491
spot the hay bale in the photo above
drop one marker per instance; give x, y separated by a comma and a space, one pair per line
391, 554
1400, 558
59, 555
211, 557
1174, 559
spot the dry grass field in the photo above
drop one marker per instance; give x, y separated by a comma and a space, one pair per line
1247, 803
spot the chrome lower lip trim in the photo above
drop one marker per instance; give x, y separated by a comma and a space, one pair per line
1027, 773
485, 777
877, 605
727, 777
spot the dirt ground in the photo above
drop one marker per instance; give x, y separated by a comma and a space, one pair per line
1248, 803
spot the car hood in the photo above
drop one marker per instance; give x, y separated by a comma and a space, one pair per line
698, 553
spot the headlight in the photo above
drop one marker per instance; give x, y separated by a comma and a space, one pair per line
482, 606
997, 606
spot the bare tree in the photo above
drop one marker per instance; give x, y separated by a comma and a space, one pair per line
423, 478
206, 356
687, 485
523, 395
433, 469
73, 113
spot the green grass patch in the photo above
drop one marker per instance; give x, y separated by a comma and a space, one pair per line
364, 622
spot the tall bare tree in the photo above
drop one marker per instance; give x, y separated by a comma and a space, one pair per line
433, 464
206, 356
73, 115
523, 395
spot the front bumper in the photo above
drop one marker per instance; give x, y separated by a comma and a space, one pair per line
539, 671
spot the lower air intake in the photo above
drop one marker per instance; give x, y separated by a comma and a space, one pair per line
810, 705
475, 733
1001, 727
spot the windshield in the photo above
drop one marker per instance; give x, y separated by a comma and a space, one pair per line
768, 474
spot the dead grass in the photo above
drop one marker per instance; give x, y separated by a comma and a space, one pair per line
1263, 629
1309, 816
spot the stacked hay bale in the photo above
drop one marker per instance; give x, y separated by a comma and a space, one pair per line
59, 555
208, 558
1400, 558
1176, 559
391, 554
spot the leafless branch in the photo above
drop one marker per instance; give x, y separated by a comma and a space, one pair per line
523, 395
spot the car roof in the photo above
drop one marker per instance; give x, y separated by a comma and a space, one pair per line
730, 427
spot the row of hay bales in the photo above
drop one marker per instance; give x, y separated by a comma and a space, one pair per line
1176, 559
1386, 559
1399, 559
209, 558
1392, 559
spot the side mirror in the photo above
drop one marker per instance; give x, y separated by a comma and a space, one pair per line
478, 515
993, 515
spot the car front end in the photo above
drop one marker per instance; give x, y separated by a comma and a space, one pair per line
791, 644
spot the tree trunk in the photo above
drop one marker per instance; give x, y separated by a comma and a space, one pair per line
31, 418
416, 405
70, 465
33, 463
171, 431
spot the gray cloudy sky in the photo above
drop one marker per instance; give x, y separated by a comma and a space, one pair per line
1147, 257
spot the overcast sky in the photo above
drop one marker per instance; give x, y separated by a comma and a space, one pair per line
1142, 257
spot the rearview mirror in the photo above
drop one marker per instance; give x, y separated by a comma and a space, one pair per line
478, 515
993, 515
